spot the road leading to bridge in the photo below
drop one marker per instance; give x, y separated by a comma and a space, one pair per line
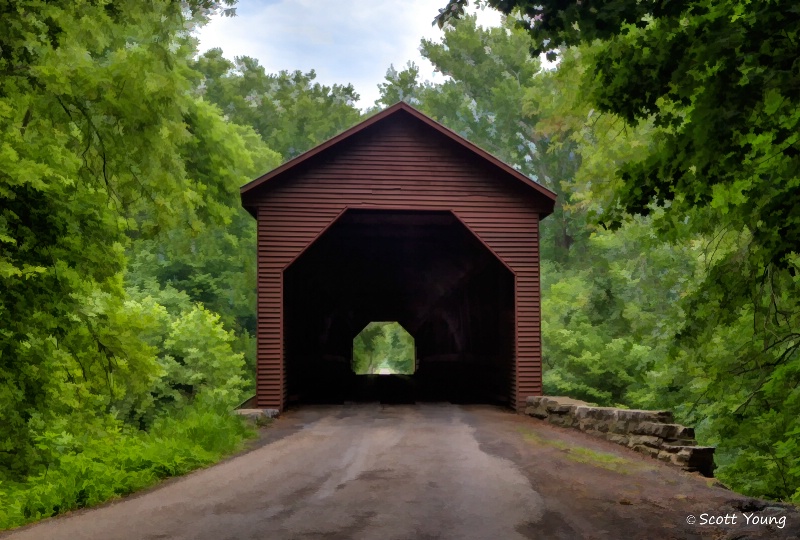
420, 472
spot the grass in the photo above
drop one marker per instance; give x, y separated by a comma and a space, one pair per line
580, 454
114, 460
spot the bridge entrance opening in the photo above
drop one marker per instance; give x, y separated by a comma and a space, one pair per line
424, 272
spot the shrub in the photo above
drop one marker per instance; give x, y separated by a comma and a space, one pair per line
110, 459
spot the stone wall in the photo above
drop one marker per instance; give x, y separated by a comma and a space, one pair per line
652, 433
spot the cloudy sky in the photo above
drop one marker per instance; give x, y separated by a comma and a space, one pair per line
345, 41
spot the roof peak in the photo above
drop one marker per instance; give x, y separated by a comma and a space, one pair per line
379, 117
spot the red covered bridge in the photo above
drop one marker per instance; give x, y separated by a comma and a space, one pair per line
398, 219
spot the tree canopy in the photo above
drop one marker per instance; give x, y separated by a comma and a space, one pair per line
290, 111
721, 78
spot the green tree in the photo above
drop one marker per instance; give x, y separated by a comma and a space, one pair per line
401, 357
367, 347
214, 262
718, 80
290, 111
383, 346
99, 141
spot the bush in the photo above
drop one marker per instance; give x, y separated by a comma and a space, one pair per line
111, 459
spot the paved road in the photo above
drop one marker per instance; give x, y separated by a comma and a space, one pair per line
413, 472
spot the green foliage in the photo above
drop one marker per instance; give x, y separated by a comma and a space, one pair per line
98, 132
193, 353
127, 269
109, 156
719, 359
109, 459
738, 387
604, 327
213, 262
290, 111
199, 359
384, 348
84, 456
719, 77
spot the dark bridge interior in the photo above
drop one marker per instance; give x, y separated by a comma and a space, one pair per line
425, 270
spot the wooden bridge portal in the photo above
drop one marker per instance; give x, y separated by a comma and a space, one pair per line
398, 219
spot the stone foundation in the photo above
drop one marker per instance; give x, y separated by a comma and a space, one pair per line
652, 433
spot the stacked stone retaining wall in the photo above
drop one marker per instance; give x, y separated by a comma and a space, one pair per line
652, 433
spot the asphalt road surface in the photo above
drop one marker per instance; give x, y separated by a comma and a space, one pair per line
418, 472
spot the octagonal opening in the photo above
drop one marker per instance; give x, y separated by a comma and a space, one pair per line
384, 348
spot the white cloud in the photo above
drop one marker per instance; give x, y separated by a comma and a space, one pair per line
351, 41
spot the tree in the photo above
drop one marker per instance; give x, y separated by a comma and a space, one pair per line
383, 345
367, 347
720, 77
720, 80
290, 111
97, 132
214, 262
402, 355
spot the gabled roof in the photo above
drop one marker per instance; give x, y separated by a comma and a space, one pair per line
399, 108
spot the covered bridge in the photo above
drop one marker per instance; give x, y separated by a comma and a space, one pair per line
398, 219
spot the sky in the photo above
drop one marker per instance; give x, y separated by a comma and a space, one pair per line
344, 41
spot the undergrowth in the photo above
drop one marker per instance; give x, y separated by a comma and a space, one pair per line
112, 459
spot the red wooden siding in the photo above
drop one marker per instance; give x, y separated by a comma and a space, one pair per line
399, 162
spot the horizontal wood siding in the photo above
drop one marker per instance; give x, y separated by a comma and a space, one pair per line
398, 163
527, 307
